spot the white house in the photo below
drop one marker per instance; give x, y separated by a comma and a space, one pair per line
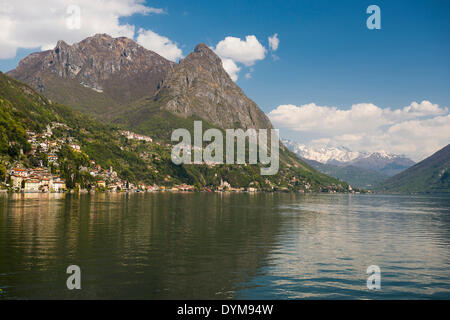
32, 185
57, 185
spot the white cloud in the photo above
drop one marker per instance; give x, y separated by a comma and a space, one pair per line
40, 24
231, 68
274, 42
159, 44
416, 130
423, 109
235, 50
156, 10
246, 52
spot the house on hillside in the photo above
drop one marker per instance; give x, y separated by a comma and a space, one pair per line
32, 185
19, 172
101, 184
58, 185
75, 147
16, 181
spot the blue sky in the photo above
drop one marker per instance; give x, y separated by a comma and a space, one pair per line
326, 56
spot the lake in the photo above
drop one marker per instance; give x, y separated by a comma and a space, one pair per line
224, 246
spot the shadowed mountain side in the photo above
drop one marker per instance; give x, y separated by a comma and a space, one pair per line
431, 175
355, 176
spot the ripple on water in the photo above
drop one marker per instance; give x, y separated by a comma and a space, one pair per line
207, 246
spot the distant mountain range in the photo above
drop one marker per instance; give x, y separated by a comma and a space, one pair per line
355, 176
322, 155
431, 175
384, 163
360, 169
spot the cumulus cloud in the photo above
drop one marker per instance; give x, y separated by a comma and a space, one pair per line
246, 52
274, 42
235, 50
40, 24
416, 130
231, 68
159, 44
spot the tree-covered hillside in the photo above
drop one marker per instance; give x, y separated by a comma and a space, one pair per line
24, 111
431, 175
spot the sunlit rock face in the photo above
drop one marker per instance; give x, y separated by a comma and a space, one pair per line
118, 69
105, 76
200, 86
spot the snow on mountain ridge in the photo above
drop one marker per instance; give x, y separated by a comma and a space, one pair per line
329, 155
324, 155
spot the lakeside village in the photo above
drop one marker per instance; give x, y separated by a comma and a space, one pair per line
44, 177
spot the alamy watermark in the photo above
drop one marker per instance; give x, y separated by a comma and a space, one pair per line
374, 20
74, 280
235, 147
73, 18
374, 280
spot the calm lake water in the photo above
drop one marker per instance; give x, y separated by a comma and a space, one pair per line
224, 246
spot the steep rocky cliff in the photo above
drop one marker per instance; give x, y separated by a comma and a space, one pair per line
200, 86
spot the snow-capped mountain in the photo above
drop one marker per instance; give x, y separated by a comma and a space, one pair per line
322, 154
385, 163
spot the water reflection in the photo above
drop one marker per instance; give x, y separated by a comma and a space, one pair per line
328, 241
133, 245
218, 246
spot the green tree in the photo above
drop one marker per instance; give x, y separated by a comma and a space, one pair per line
2, 172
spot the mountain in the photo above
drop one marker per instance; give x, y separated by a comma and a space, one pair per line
152, 96
384, 163
30, 121
117, 78
199, 87
26, 114
360, 169
356, 177
322, 155
100, 75
105, 76
431, 175
381, 162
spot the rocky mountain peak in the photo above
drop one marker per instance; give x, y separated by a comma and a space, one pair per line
200, 86
204, 51
61, 45
102, 74
118, 68
201, 47
203, 55
101, 36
